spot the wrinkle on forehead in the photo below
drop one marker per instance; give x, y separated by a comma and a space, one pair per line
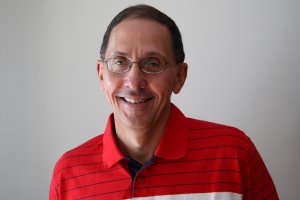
147, 54
136, 38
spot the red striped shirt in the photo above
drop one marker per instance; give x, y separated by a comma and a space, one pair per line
194, 160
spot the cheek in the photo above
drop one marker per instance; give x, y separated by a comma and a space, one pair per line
163, 86
111, 85
108, 87
108, 83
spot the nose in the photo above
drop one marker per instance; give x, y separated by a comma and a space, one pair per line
135, 78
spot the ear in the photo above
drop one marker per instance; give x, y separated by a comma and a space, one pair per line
181, 75
99, 64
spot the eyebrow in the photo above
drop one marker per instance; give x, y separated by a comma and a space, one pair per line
148, 54
119, 53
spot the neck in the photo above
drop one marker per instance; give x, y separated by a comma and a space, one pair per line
140, 144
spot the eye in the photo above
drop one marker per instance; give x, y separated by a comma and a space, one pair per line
120, 61
118, 64
151, 62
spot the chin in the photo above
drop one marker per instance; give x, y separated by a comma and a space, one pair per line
137, 122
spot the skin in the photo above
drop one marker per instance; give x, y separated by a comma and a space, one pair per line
139, 126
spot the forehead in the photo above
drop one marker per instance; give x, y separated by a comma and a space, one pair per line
137, 37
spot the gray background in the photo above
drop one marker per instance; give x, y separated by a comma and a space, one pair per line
244, 71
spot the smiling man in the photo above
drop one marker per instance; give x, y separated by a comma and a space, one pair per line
149, 149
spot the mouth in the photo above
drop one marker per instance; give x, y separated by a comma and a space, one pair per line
135, 100
131, 97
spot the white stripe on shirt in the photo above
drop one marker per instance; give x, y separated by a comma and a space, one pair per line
196, 196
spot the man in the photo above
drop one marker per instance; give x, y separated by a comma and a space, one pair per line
149, 149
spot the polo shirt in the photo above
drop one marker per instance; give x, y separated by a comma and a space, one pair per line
194, 160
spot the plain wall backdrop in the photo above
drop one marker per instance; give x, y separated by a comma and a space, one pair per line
244, 71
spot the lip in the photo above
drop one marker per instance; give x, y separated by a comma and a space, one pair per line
136, 103
135, 100
135, 96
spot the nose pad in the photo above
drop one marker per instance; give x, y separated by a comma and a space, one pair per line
135, 78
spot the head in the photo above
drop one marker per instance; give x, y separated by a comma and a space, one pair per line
150, 13
142, 100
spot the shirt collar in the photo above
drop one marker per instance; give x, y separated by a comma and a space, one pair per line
173, 143
111, 153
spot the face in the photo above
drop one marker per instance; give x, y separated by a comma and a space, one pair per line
140, 100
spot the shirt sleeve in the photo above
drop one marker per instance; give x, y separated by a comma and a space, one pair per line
256, 180
53, 192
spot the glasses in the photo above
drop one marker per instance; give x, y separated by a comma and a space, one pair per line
149, 65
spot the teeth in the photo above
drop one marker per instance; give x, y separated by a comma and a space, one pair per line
134, 100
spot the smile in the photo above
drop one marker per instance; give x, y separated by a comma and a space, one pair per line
135, 100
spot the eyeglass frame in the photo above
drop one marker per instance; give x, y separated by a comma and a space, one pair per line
130, 63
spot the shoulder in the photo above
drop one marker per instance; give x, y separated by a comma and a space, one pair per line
86, 147
85, 153
219, 137
197, 126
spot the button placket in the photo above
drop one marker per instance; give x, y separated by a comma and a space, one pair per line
139, 179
